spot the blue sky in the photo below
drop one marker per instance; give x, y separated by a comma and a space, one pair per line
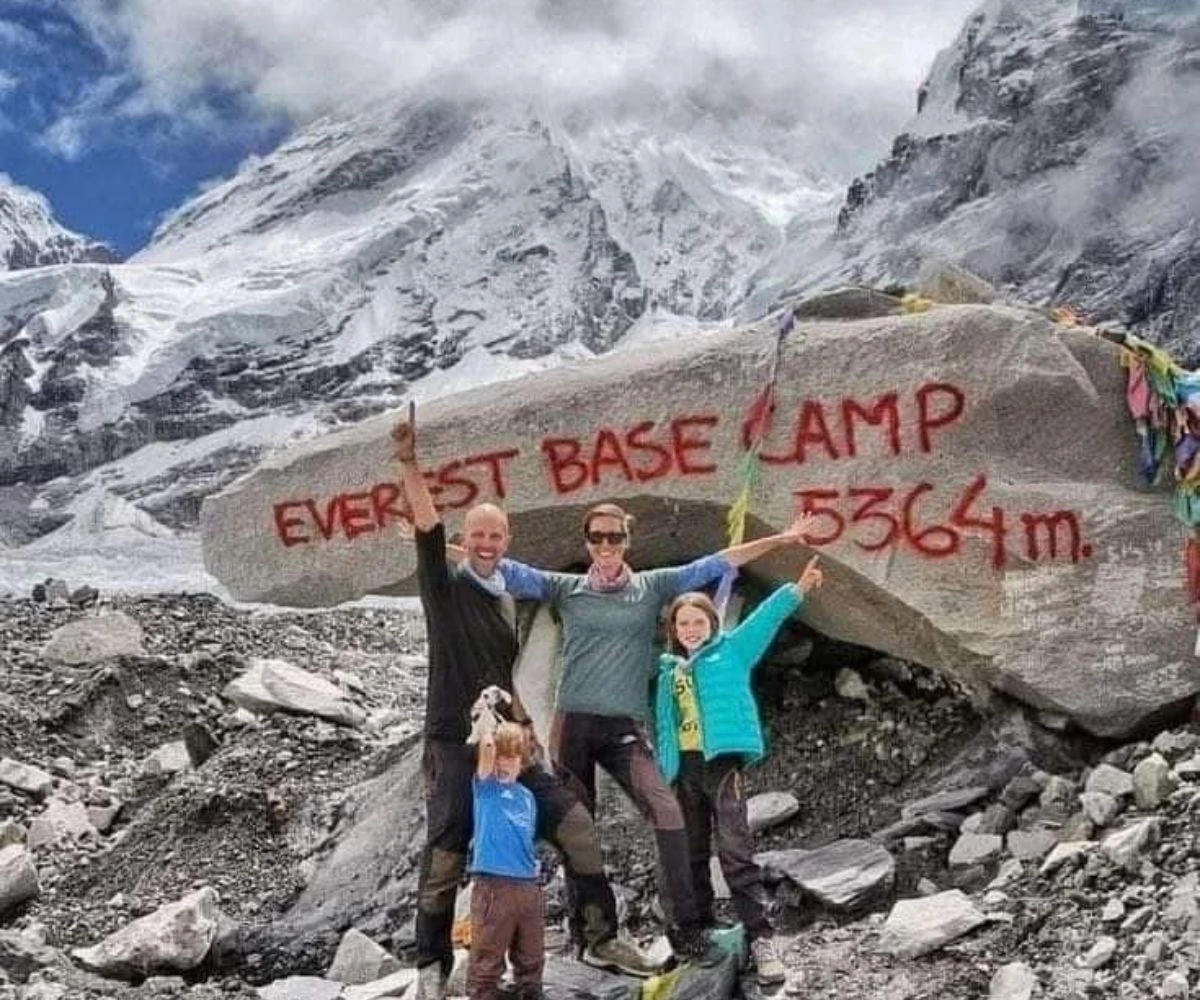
111, 182
118, 110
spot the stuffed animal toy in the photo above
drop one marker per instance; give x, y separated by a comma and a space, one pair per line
485, 716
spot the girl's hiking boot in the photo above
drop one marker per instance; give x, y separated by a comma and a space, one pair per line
620, 954
768, 966
692, 944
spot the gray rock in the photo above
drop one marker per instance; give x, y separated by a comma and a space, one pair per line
1019, 792
278, 686
943, 281
94, 638
1032, 844
958, 798
1100, 953
174, 938
1058, 797
1152, 782
60, 822
843, 875
996, 818
360, 960
1014, 981
103, 817
1174, 984
301, 988
1125, 846
25, 778
1113, 911
1188, 770
1173, 743
395, 985
170, 758
848, 303
18, 877
849, 685
22, 953
975, 848
1110, 780
1021, 630
916, 927
12, 832
1077, 826
1065, 851
767, 809
1101, 807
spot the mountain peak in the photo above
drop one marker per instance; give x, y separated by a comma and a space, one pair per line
30, 236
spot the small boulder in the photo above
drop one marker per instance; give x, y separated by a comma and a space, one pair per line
951, 801
1100, 953
768, 809
843, 875
1014, 981
1028, 845
916, 927
1101, 807
1110, 780
360, 960
278, 686
60, 822
18, 877
301, 988
92, 639
1152, 782
1125, 846
975, 849
174, 938
25, 778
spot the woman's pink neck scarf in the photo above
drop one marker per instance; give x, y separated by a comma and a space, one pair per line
596, 580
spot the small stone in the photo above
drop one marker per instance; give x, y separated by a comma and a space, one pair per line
12, 832
916, 927
975, 848
1020, 791
849, 685
1100, 807
1014, 981
996, 818
1028, 846
1188, 770
1125, 846
768, 809
1110, 780
1064, 852
1100, 953
1174, 984
1152, 782
927, 887
1078, 826
1113, 911
1058, 797
1156, 947
1175, 743
25, 778
958, 798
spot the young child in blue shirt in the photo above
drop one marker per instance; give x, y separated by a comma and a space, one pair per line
506, 902
707, 728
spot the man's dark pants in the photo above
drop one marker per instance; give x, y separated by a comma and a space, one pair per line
708, 791
562, 820
579, 742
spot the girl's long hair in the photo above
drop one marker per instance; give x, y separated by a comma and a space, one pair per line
692, 599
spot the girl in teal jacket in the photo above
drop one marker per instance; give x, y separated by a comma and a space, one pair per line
707, 727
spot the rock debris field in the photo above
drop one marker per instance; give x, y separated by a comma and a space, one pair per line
199, 801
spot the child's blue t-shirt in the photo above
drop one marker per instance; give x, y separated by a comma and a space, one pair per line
505, 827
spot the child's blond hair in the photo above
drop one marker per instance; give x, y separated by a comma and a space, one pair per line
510, 741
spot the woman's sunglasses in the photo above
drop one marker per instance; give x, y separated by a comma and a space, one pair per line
605, 537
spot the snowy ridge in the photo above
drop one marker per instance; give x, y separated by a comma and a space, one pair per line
31, 237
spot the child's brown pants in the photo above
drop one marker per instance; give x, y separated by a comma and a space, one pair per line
506, 917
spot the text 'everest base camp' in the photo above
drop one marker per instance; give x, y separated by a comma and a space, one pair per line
976, 495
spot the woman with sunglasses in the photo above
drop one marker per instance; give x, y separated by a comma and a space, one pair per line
610, 619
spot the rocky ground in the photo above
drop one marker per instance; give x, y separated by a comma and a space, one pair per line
142, 766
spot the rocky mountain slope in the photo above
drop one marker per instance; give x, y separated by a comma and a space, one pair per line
916, 848
1052, 153
30, 236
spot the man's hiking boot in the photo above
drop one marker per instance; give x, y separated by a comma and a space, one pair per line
768, 966
431, 984
620, 954
692, 944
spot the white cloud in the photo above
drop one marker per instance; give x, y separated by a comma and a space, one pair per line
851, 66
8, 83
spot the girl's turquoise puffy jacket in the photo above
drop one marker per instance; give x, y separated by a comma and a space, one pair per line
729, 721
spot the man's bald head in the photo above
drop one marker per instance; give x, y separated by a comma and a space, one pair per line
485, 537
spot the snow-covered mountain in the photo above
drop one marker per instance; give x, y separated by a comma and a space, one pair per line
374, 255
397, 251
30, 236
1053, 152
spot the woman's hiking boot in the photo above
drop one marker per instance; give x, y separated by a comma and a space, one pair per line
620, 954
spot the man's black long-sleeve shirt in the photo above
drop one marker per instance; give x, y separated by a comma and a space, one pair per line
472, 638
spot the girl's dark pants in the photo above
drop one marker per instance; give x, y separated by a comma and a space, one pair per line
713, 801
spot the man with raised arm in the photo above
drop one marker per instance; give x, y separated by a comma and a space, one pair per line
473, 644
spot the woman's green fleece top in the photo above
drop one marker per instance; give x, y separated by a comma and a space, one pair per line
729, 721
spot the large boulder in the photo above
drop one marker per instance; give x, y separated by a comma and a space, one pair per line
973, 470
278, 686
